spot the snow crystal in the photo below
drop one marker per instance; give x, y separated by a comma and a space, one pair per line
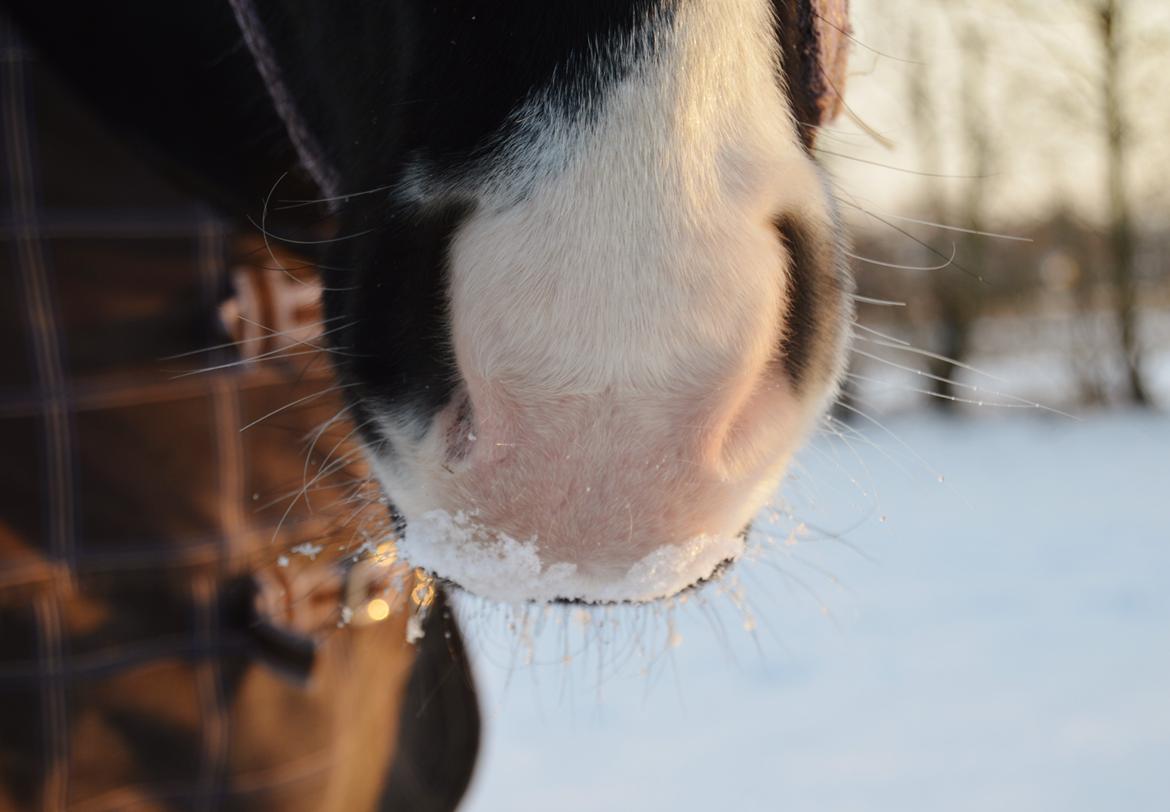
309, 550
414, 629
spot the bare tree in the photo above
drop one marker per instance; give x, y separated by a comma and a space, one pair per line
961, 293
957, 291
1102, 73
1109, 16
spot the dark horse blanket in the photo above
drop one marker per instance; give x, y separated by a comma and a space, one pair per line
138, 669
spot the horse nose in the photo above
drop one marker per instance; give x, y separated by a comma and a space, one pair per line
626, 472
603, 497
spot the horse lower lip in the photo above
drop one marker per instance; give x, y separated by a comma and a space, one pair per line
715, 574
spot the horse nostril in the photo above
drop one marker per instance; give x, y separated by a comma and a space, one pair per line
813, 313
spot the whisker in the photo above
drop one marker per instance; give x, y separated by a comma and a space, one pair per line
1018, 402
942, 395
323, 241
305, 266
879, 302
357, 428
228, 344
838, 427
306, 343
317, 435
289, 508
824, 534
849, 36
859, 326
892, 168
803, 586
853, 116
950, 261
835, 460
924, 353
289, 203
959, 229
895, 437
860, 461
267, 235
914, 239
298, 401
278, 353
295, 492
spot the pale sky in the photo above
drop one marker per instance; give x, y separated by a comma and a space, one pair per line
1043, 118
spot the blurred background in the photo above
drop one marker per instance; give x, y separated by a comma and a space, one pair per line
959, 599
1043, 122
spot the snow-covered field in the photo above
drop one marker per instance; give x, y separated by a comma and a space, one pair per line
997, 640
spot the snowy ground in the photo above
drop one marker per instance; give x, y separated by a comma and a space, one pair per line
999, 640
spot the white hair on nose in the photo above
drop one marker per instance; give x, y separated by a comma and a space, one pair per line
616, 301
